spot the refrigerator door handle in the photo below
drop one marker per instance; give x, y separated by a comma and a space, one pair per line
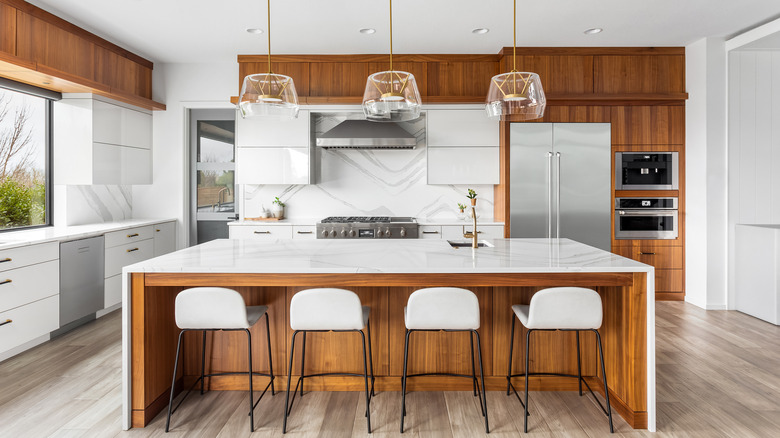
558, 199
549, 194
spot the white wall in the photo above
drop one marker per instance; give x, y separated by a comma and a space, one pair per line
705, 182
180, 87
754, 143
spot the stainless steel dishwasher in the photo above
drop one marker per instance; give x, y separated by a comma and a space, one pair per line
82, 263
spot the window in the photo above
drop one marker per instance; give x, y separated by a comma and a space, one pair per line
25, 145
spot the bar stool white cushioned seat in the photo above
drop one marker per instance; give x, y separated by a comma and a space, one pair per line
328, 309
444, 309
560, 308
213, 309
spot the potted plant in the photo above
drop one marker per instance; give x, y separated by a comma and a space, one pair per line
473, 196
462, 209
277, 208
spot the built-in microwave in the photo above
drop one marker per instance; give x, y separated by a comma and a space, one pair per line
646, 171
646, 218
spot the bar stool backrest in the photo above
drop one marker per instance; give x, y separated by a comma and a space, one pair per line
567, 308
442, 308
202, 308
326, 309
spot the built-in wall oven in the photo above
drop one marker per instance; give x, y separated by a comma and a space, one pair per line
646, 171
646, 218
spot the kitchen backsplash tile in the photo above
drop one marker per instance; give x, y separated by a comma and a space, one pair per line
89, 204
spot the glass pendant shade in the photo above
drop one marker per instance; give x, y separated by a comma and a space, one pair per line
268, 95
519, 94
391, 96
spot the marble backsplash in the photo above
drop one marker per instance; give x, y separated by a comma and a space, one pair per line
89, 204
367, 182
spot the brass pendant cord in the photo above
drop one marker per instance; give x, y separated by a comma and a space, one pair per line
391, 35
514, 37
269, 37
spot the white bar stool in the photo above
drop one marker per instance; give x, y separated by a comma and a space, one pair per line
213, 309
448, 309
560, 309
328, 310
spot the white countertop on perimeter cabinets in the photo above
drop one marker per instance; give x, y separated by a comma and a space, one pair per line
313, 221
14, 239
389, 256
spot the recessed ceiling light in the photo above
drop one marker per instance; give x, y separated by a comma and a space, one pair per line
367, 31
480, 30
593, 31
254, 30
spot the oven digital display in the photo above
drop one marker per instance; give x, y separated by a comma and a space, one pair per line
366, 233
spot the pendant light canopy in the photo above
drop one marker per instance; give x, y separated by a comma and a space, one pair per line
516, 93
268, 95
391, 96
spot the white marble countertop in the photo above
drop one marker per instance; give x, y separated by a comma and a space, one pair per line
388, 256
14, 239
309, 221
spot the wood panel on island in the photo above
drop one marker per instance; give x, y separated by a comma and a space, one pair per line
41, 49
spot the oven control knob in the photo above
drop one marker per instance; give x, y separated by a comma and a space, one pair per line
388, 233
324, 233
403, 232
343, 232
352, 233
378, 233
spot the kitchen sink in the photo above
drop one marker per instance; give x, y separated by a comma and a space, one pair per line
467, 244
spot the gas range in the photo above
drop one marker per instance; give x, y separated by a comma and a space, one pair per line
367, 227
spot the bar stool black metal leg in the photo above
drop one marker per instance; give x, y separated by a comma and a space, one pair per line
511, 350
303, 360
289, 382
365, 379
403, 379
370, 357
270, 361
251, 389
173, 381
473, 370
482, 376
606, 388
203, 363
527, 356
579, 363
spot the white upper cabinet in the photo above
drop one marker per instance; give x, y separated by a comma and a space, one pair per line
461, 128
258, 132
97, 141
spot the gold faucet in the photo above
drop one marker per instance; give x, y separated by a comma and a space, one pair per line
473, 235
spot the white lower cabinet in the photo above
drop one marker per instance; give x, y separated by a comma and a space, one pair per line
31, 283
304, 232
164, 238
26, 323
430, 232
452, 232
262, 232
113, 291
120, 256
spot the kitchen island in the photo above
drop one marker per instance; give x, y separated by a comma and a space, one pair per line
384, 273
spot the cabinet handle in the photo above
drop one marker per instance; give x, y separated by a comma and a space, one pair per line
646, 253
262, 232
131, 250
430, 232
6, 281
305, 232
469, 231
158, 230
6, 260
133, 235
7, 321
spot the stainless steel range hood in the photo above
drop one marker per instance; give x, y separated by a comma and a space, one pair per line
362, 134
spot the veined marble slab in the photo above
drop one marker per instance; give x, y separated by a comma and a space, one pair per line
389, 256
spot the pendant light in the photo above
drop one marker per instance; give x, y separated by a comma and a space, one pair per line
268, 95
516, 93
391, 96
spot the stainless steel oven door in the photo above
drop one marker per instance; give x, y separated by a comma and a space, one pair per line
644, 224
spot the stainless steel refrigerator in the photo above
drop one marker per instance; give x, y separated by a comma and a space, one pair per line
560, 181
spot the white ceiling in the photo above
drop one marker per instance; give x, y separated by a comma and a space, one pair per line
214, 31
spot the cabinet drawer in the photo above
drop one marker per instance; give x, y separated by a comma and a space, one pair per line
31, 283
451, 232
29, 322
669, 280
28, 255
261, 232
120, 256
116, 238
112, 291
304, 232
660, 257
430, 232
487, 231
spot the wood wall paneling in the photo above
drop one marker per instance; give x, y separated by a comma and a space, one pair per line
298, 71
648, 125
559, 73
122, 74
639, 74
7, 29
460, 78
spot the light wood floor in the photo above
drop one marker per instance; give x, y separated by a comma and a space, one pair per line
718, 376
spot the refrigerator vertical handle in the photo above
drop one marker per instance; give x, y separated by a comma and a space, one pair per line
558, 199
549, 194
